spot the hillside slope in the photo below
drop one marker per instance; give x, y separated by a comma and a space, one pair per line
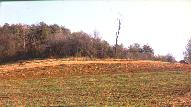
64, 67
66, 82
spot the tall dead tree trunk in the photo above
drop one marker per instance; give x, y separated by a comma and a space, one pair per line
117, 35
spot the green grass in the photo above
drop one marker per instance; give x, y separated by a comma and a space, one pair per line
128, 89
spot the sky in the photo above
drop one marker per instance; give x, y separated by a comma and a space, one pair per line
165, 25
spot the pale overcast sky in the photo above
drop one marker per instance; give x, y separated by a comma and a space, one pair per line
163, 24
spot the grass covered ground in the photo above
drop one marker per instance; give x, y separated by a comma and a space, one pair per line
119, 89
66, 82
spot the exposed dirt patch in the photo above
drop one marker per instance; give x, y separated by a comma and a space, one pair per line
61, 67
184, 100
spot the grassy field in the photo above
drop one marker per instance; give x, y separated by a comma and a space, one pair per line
102, 85
137, 89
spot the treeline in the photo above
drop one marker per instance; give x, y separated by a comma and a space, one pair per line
43, 41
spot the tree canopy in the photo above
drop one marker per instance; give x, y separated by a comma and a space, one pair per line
18, 41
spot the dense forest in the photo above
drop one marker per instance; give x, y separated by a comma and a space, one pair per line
18, 41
